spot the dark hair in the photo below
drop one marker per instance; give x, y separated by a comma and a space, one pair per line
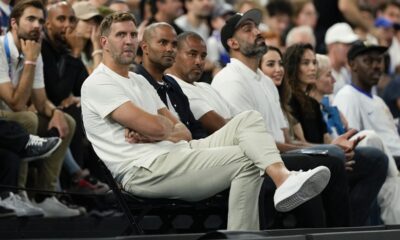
291, 62
185, 35
382, 7
20, 7
277, 7
113, 18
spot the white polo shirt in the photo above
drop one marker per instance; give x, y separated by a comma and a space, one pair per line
364, 112
103, 92
248, 90
203, 98
11, 70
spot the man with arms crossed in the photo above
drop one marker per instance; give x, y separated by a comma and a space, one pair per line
161, 161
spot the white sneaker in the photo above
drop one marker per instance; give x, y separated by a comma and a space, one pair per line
54, 208
21, 208
301, 187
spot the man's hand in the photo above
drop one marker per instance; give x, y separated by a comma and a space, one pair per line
75, 42
344, 142
30, 49
58, 121
135, 137
71, 100
95, 37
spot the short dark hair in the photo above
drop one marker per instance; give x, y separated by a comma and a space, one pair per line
113, 18
185, 35
277, 7
20, 7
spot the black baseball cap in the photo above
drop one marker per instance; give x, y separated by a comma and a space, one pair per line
361, 47
234, 22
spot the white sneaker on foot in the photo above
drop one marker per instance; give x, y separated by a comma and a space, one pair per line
21, 208
301, 187
54, 208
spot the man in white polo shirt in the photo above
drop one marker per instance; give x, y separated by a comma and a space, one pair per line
157, 158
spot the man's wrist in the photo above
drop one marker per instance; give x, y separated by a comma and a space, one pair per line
54, 110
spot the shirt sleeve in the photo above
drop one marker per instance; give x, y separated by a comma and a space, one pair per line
4, 68
38, 82
103, 95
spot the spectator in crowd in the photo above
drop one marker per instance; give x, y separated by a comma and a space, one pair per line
18, 145
369, 165
300, 34
280, 15
214, 112
159, 51
21, 81
89, 19
217, 54
119, 6
64, 73
338, 39
195, 20
5, 10
388, 198
391, 10
304, 13
169, 154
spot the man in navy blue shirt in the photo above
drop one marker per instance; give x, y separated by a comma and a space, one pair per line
159, 50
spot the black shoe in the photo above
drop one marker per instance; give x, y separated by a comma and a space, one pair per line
38, 147
6, 212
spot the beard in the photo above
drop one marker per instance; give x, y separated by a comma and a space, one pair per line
257, 49
32, 35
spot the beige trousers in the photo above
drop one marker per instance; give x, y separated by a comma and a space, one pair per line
236, 156
49, 170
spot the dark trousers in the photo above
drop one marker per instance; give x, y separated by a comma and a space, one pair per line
331, 208
9, 169
365, 181
13, 136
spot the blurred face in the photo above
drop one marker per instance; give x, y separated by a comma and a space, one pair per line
200, 8
61, 17
119, 7
325, 81
368, 67
30, 24
278, 23
121, 43
272, 66
392, 13
190, 59
307, 16
339, 52
172, 8
160, 50
308, 68
84, 28
249, 40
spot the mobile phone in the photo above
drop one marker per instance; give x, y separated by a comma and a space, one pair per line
53, 132
314, 152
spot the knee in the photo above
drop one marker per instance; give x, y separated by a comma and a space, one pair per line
71, 125
29, 121
375, 158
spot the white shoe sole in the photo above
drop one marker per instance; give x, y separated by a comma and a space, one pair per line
309, 189
45, 155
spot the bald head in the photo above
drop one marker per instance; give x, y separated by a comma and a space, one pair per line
60, 17
151, 29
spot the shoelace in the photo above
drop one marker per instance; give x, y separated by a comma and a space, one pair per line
35, 141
